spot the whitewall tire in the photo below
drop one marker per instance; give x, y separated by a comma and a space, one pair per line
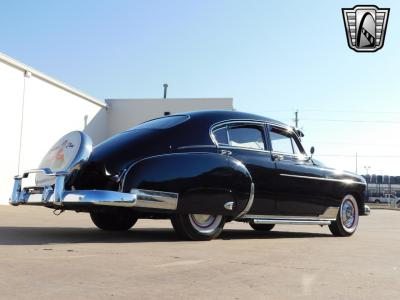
347, 218
198, 227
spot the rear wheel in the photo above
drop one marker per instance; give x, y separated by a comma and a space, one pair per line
261, 227
347, 218
198, 227
113, 221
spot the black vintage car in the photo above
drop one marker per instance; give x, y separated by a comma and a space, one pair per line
200, 169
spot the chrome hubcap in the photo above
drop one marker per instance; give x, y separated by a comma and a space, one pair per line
348, 212
205, 223
203, 220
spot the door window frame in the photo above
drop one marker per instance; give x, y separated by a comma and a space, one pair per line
302, 156
236, 123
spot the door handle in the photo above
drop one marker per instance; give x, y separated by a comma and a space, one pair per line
225, 152
277, 157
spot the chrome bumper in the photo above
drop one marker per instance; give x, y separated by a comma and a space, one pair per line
58, 196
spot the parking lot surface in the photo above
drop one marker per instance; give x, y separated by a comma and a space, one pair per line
43, 256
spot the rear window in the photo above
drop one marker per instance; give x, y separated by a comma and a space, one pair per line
162, 123
221, 136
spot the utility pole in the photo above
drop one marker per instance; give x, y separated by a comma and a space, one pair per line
356, 163
366, 175
296, 118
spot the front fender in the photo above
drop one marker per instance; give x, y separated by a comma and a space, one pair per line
204, 181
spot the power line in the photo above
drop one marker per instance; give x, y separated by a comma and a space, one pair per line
350, 143
352, 111
351, 121
358, 155
338, 111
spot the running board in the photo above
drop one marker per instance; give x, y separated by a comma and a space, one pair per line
291, 221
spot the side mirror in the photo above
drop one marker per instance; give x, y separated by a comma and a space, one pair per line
312, 150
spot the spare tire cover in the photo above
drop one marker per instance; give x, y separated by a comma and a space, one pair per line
68, 153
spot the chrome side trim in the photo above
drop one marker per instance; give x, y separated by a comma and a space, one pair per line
346, 181
197, 146
156, 199
292, 221
278, 217
97, 197
249, 203
329, 215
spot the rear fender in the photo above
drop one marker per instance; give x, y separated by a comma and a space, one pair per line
205, 182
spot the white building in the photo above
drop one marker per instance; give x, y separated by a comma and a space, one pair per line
38, 110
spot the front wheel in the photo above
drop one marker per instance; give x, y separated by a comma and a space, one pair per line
347, 218
198, 227
113, 221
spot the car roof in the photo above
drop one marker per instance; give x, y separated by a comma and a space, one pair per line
214, 116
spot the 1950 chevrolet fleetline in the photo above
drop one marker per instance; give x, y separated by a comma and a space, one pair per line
199, 169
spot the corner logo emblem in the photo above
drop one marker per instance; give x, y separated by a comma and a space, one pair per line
365, 27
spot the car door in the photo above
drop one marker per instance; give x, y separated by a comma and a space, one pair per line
300, 185
246, 141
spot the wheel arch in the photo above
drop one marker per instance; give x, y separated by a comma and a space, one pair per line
205, 182
359, 199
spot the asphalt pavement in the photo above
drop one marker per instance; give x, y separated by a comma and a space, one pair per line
43, 256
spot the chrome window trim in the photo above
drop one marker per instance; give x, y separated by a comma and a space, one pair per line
298, 140
252, 122
240, 122
299, 157
244, 148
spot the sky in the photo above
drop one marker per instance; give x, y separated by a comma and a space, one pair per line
272, 57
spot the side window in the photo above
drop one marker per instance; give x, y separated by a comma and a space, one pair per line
283, 141
221, 135
246, 137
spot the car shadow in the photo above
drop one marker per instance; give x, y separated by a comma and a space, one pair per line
75, 235
236, 234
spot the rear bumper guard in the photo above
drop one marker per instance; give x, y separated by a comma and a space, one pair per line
57, 196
